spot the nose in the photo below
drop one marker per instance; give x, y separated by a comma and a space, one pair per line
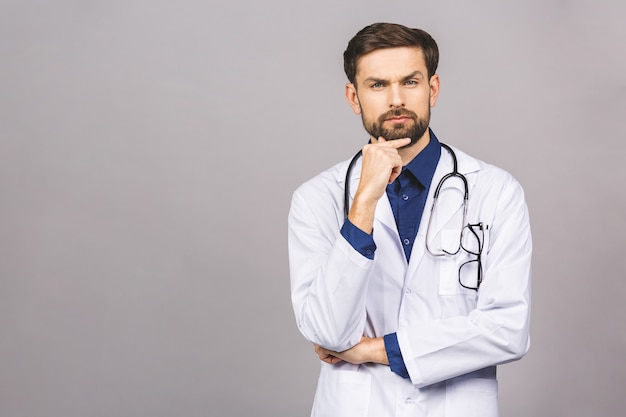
396, 98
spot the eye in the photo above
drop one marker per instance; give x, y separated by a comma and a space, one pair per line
411, 82
376, 86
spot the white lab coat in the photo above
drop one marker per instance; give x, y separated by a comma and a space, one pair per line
451, 338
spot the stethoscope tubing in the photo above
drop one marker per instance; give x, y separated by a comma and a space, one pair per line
454, 173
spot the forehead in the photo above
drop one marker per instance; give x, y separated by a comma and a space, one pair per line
390, 63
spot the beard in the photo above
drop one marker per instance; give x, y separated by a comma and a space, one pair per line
413, 130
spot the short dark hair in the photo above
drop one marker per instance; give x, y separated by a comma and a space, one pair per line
389, 35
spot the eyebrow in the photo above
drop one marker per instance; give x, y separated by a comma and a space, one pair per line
405, 78
414, 74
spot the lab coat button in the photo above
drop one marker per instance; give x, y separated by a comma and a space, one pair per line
407, 291
409, 401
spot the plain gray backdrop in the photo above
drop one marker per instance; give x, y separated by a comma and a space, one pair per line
149, 149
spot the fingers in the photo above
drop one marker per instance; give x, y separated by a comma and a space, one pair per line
390, 148
383, 155
326, 355
381, 165
396, 143
331, 360
395, 173
321, 352
382, 147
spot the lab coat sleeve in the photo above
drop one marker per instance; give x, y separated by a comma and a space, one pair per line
329, 278
497, 330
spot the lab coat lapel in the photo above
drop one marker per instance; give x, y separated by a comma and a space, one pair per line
384, 214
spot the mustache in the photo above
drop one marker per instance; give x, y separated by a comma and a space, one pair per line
398, 113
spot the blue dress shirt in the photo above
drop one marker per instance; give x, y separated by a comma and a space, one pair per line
407, 196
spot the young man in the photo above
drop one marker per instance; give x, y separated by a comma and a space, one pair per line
412, 299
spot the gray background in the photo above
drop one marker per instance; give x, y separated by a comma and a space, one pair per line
148, 151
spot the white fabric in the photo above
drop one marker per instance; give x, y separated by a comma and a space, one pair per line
450, 337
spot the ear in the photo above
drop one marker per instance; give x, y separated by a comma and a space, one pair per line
353, 98
434, 89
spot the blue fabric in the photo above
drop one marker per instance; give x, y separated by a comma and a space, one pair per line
362, 242
407, 196
396, 363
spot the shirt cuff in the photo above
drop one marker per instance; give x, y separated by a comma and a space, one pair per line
358, 239
396, 362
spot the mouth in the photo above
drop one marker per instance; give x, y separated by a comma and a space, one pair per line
398, 120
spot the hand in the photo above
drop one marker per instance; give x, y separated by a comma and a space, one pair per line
367, 350
381, 166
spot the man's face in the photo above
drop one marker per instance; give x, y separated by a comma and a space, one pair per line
393, 94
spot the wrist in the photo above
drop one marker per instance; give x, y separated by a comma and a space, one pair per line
366, 200
377, 351
362, 212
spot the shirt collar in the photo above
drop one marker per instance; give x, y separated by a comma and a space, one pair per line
424, 164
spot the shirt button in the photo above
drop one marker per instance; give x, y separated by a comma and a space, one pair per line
405, 197
406, 241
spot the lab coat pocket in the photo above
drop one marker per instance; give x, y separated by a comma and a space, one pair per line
449, 275
472, 397
461, 273
342, 393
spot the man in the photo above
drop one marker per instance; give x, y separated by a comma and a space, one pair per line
410, 308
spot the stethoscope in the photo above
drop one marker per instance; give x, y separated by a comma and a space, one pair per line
453, 174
